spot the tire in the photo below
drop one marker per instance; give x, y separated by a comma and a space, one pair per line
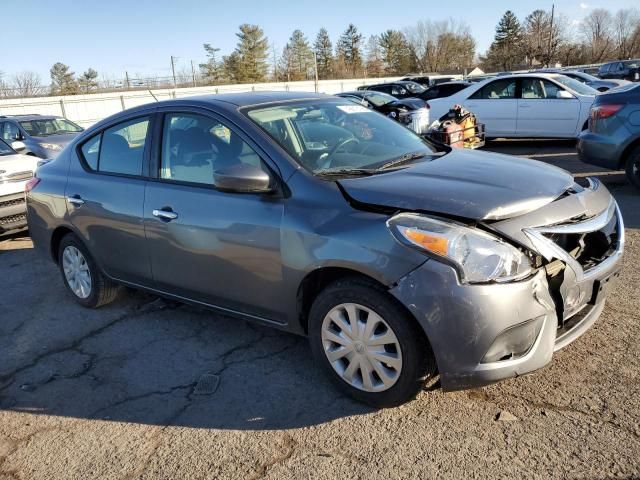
632, 167
411, 355
100, 291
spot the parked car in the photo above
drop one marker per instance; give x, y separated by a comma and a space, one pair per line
15, 171
594, 82
613, 138
428, 80
445, 89
44, 136
411, 112
524, 105
625, 70
399, 89
315, 215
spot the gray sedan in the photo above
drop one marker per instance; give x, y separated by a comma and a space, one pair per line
398, 259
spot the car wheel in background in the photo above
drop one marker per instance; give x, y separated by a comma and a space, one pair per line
81, 275
368, 344
633, 167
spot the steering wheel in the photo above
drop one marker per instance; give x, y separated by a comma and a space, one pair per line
337, 147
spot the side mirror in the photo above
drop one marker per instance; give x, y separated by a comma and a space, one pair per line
18, 146
242, 178
563, 94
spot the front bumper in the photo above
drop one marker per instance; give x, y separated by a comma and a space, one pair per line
13, 212
463, 321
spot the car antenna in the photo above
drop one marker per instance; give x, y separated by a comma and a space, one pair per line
151, 93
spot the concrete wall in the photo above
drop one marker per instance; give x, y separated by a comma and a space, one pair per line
88, 109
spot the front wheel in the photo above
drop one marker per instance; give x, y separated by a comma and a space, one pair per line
633, 167
81, 275
368, 344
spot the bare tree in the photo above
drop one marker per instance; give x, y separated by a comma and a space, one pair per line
597, 33
27, 84
626, 32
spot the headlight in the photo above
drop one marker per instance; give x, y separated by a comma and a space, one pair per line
478, 256
51, 146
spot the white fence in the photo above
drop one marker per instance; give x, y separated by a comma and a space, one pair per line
88, 109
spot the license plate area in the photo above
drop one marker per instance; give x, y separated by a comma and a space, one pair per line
601, 287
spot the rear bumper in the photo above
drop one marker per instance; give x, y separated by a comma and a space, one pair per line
601, 150
13, 212
463, 322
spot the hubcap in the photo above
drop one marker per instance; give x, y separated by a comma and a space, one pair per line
361, 347
76, 271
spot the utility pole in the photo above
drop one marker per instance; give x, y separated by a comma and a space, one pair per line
193, 73
315, 69
173, 70
275, 62
550, 36
126, 76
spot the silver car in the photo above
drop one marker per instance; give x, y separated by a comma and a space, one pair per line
398, 259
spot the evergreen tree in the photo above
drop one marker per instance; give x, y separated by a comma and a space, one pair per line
349, 50
374, 60
506, 49
250, 62
324, 54
211, 69
396, 53
63, 81
297, 57
88, 80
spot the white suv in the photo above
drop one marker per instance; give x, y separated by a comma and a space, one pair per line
15, 171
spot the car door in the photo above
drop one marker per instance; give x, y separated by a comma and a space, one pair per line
541, 113
105, 196
207, 245
496, 106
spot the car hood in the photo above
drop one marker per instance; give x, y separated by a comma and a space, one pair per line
464, 183
17, 163
410, 103
61, 139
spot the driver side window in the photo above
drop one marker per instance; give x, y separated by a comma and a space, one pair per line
195, 146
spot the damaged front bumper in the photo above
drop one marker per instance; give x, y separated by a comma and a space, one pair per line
484, 333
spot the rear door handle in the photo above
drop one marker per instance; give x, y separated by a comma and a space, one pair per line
75, 200
165, 214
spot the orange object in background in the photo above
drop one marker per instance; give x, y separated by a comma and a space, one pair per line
454, 133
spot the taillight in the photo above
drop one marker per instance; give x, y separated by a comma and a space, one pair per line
30, 185
605, 111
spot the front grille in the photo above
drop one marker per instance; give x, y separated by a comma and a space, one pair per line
11, 203
21, 217
589, 248
16, 177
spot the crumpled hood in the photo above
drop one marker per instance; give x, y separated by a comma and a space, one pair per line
464, 183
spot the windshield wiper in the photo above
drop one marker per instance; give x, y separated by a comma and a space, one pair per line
406, 158
341, 171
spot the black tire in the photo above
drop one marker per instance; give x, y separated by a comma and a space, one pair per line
103, 291
418, 362
632, 167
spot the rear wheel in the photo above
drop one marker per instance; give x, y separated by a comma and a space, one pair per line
633, 167
368, 344
81, 276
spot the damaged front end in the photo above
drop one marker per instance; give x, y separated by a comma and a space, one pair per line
482, 333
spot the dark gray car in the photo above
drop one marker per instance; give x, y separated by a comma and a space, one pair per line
324, 218
43, 136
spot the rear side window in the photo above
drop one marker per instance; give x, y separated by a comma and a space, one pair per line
119, 149
497, 90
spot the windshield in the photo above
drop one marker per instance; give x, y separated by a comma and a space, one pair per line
49, 126
378, 98
575, 85
6, 149
581, 76
336, 135
633, 64
414, 87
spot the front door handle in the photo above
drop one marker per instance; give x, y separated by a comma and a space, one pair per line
75, 200
164, 214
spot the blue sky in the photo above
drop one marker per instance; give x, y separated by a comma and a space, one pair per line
139, 36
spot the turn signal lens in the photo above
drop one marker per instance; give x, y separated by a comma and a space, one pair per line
433, 243
605, 111
30, 185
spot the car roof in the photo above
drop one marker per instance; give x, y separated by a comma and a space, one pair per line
245, 99
29, 116
455, 82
